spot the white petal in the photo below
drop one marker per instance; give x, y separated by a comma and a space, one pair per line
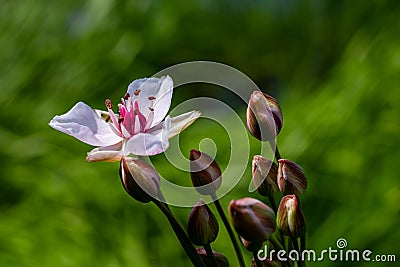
106, 153
181, 122
83, 123
154, 142
163, 100
160, 88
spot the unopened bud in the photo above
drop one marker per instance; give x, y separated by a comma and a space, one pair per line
252, 219
221, 259
202, 225
140, 180
291, 178
264, 116
290, 217
205, 173
264, 173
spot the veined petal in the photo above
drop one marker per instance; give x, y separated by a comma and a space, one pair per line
155, 93
153, 142
162, 102
106, 153
181, 122
83, 123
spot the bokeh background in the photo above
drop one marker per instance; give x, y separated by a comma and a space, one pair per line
333, 65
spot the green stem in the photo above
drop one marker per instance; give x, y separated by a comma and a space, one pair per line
296, 247
210, 255
279, 246
303, 242
277, 154
256, 259
273, 203
181, 235
282, 238
230, 232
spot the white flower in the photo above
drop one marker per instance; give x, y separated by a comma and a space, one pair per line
139, 127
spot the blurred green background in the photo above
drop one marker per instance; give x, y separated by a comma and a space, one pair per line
333, 65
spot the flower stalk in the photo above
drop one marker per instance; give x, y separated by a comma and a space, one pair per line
230, 231
211, 255
180, 234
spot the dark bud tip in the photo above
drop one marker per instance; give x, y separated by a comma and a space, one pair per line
205, 173
202, 225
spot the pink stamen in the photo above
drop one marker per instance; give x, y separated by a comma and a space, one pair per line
130, 121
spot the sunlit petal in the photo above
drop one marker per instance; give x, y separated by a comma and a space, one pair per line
181, 122
83, 123
155, 93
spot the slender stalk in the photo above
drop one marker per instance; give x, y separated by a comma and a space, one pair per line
230, 232
277, 153
279, 246
296, 247
303, 246
210, 255
256, 259
282, 238
273, 203
181, 235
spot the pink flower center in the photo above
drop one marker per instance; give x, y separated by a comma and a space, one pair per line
131, 120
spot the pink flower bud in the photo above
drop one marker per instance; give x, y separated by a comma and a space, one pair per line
202, 225
205, 173
290, 217
264, 175
140, 180
264, 116
291, 178
252, 219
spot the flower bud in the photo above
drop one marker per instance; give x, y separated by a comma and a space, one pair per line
140, 180
264, 116
290, 217
205, 173
291, 178
264, 173
202, 225
221, 259
252, 219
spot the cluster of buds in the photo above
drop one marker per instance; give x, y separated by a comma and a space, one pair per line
254, 221
264, 122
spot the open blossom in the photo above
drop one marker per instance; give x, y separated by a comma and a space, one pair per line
140, 127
